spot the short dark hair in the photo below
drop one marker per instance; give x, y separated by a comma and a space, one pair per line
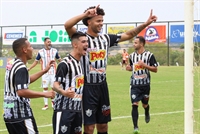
141, 39
100, 11
77, 35
18, 44
46, 38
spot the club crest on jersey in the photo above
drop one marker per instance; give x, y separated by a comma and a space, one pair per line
79, 81
64, 129
98, 55
88, 112
138, 67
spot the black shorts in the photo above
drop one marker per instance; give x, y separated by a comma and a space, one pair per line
67, 122
25, 126
140, 93
96, 104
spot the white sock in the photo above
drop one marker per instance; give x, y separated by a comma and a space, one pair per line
45, 99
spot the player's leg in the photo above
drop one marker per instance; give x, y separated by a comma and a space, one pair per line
103, 113
135, 98
22, 127
145, 104
62, 121
90, 102
45, 83
76, 127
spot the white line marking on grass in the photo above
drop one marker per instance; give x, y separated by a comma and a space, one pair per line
120, 117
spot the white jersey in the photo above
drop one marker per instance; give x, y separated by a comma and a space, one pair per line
45, 56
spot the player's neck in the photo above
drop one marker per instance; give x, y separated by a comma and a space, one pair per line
91, 33
23, 59
75, 55
140, 51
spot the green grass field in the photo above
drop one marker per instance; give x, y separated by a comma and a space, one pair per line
166, 103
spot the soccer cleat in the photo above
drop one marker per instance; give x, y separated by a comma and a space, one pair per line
136, 130
45, 107
147, 118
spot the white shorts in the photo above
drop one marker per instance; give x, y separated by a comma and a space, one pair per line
48, 79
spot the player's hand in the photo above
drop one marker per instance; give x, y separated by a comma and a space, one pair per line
152, 18
141, 63
69, 92
49, 94
92, 12
49, 65
128, 68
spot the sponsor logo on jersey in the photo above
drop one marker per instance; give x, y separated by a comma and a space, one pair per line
138, 67
79, 81
98, 55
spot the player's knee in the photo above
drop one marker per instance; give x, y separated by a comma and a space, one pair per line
89, 129
102, 127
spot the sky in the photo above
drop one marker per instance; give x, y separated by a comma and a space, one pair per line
40, 12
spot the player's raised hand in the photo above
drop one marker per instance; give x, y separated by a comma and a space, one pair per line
92, 12
152, 18
49, 65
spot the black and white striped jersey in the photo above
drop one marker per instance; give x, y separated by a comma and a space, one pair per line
95, 62
140, 75
69, 74
16, 78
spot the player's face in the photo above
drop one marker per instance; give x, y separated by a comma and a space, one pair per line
82, 45
47, 44
29, 50
96, 23
137, 45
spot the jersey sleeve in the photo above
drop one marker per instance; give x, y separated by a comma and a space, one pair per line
57, 55
153, 61
114, 39
38, 56
61, 72
21, 79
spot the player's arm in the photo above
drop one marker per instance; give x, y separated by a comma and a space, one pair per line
33, 65
60, 76
58, 57
69, 25
133, 32
129, 67
21, 82
153, 64
27, 93
37, 75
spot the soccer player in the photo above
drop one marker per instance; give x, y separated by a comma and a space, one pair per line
44, 56
18, 115
96, 103
69, 80
124, 58
141, 63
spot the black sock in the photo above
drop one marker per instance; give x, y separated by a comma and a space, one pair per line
135, 115
147, 110
102, 133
